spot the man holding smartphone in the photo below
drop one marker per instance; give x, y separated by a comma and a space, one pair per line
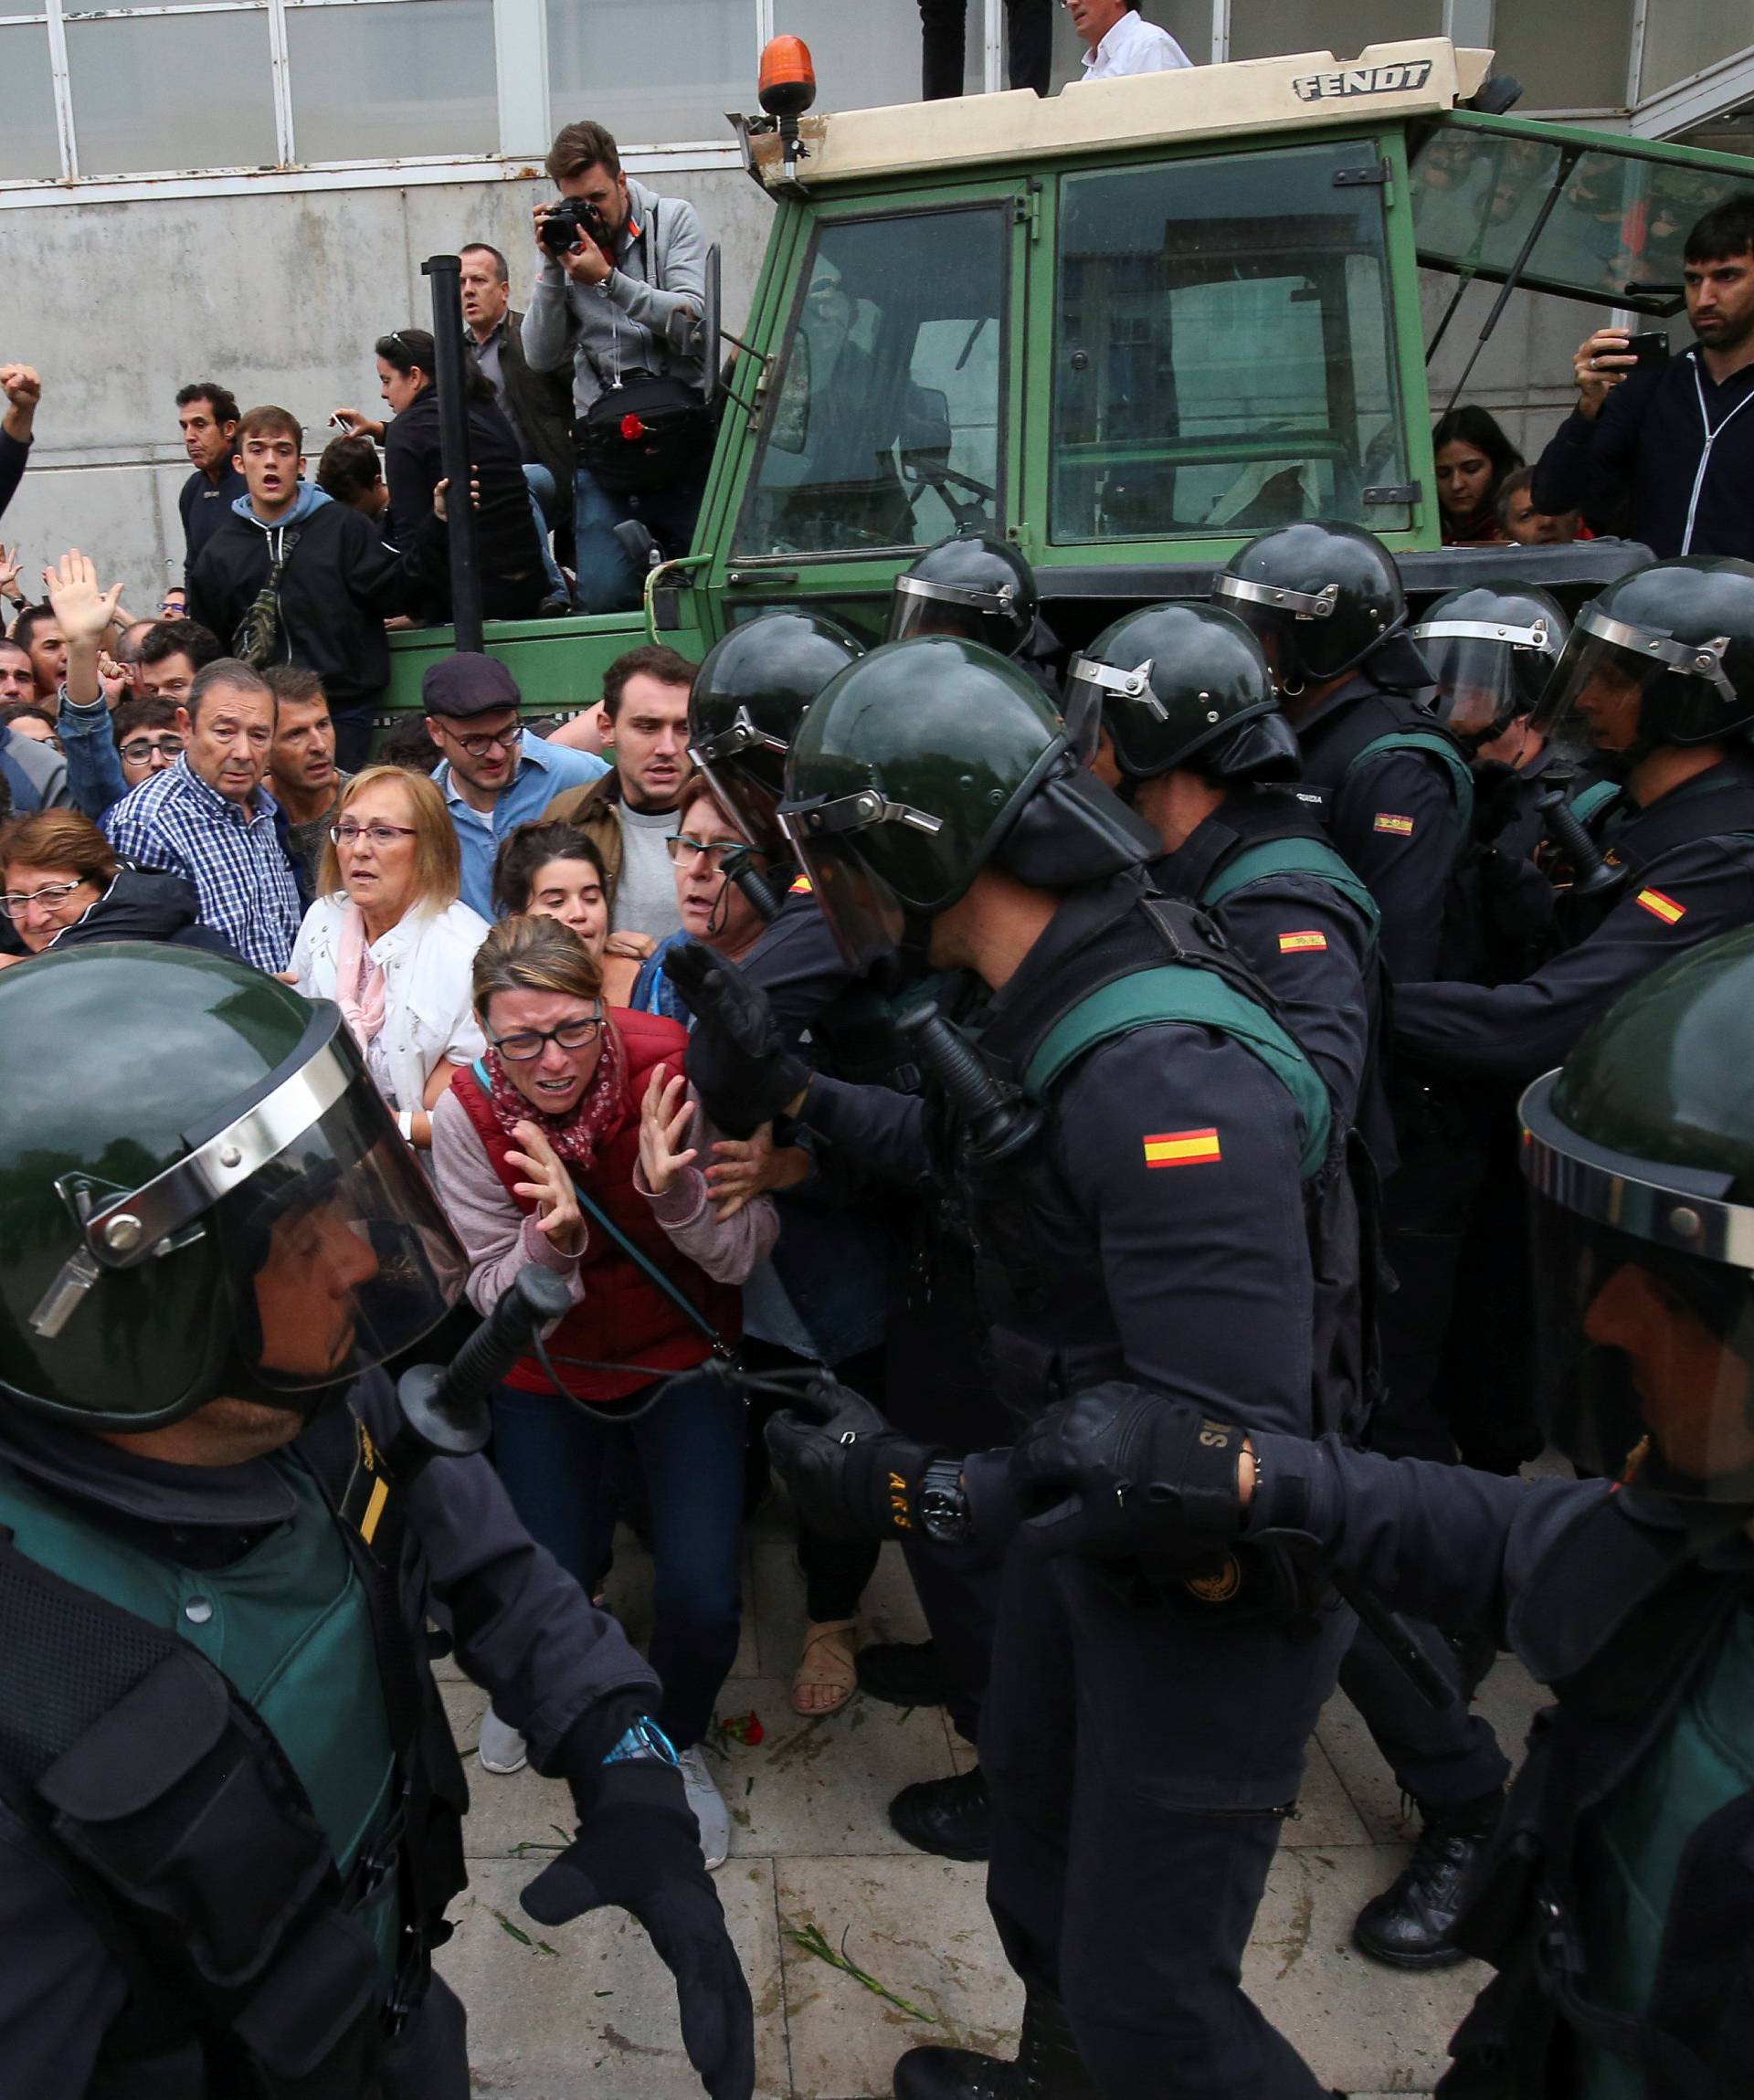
1661, 447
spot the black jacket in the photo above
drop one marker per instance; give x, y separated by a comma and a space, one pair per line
1641, 464
514, 581
336, 591
205, 507
141, 904
539, 406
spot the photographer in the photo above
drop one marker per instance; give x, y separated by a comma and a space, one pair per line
622, 286
1664, 450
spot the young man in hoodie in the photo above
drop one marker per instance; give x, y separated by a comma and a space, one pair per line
291, 577
627, 299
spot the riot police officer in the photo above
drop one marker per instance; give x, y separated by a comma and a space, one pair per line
1138, 1211
1655, 692
229, 1803
1614, 1905
984, 591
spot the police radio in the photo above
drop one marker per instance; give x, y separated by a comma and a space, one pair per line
1590, 874
998, 1120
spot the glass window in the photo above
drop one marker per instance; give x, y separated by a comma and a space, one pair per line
1558, 69
28, 146
389, 82
1223, 351
1684, 36
145, 94
1268, 28
654, 71
882, 426
867, 52
1621, 222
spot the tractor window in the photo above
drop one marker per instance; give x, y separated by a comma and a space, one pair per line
1223, 348
882, 424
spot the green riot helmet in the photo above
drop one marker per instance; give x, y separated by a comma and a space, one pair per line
204, 1194
1322, 598
980, 589
1640, 1152
920, 764
1665, 656
1182, 685
1491, 652
748, 698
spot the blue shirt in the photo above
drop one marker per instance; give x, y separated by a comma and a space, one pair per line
176, 820
544, 771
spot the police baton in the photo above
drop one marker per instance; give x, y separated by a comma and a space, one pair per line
1398, 1642
444, 1407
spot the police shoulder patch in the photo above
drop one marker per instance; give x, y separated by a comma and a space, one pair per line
1661, 907
1386, 820
1182, 1148
1303, 943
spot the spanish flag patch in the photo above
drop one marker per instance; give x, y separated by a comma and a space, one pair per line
1181, 1148
1386, 820
1301, 944
1661, 907
802, 887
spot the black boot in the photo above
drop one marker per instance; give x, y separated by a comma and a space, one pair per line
1411, 1925
952, 1818
1047, 2068
901, 1672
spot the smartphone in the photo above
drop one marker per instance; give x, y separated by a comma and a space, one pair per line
1652, 351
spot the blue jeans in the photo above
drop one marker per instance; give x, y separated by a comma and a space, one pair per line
607, 580
544, 499
556, 1463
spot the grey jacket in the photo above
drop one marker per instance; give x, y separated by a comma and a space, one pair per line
646, 313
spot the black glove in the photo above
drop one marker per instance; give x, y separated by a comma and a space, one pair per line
638, 1847
1119, 1470
739, 1061
851, 1475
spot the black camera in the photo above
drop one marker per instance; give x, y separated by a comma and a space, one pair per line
573, 220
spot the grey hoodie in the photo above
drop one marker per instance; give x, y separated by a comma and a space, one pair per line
644, 316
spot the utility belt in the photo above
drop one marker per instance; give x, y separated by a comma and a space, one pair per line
645, 431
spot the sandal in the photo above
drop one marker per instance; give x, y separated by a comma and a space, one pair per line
826, 1676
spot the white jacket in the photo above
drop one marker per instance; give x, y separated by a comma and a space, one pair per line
426, 961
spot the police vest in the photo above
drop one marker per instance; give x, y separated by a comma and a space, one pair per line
1629, 1622
1039, 1268
216, 1761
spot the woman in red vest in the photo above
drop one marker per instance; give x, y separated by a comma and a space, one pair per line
569, 1143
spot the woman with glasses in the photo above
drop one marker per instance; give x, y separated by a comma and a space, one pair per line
555, 871
714, 909
575, 1142
389, 940
64, 884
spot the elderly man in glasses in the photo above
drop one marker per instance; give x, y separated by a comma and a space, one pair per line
494, 774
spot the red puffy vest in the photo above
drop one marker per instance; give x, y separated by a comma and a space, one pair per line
623, 1317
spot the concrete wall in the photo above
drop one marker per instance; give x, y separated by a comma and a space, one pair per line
279, 297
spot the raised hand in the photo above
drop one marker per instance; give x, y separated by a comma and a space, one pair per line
83, 610
664, 1117
550, 1187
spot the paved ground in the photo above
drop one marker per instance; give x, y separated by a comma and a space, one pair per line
587, 2013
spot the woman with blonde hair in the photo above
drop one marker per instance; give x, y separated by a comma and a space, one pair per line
392, 943
574, 1142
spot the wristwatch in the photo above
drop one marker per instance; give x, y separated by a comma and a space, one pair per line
944, 1507
645, 1742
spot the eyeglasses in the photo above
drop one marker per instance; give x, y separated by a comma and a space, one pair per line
51, 896
715, 852
140, 748
524, 1044
479, 746
379, 834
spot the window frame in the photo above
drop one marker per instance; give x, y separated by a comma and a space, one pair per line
1406, 361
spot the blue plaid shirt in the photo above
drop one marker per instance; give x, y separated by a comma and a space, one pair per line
175, 820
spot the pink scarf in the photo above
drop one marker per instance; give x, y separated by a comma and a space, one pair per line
359, 981
576, 1136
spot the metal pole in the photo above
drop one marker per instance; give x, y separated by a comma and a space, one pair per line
450, 378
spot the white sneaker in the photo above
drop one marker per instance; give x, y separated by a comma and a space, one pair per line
711, 1814
501, 1747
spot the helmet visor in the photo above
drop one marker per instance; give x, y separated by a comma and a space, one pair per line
868, 920
337, 1253
1645, 1358
751, 806
1484, 680
919, 608
1619, 688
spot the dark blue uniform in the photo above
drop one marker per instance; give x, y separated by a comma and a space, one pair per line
1144, 1737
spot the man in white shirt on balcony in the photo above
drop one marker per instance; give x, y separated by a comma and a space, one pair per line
1120, 40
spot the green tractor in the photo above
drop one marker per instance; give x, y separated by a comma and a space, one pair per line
1125, 329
